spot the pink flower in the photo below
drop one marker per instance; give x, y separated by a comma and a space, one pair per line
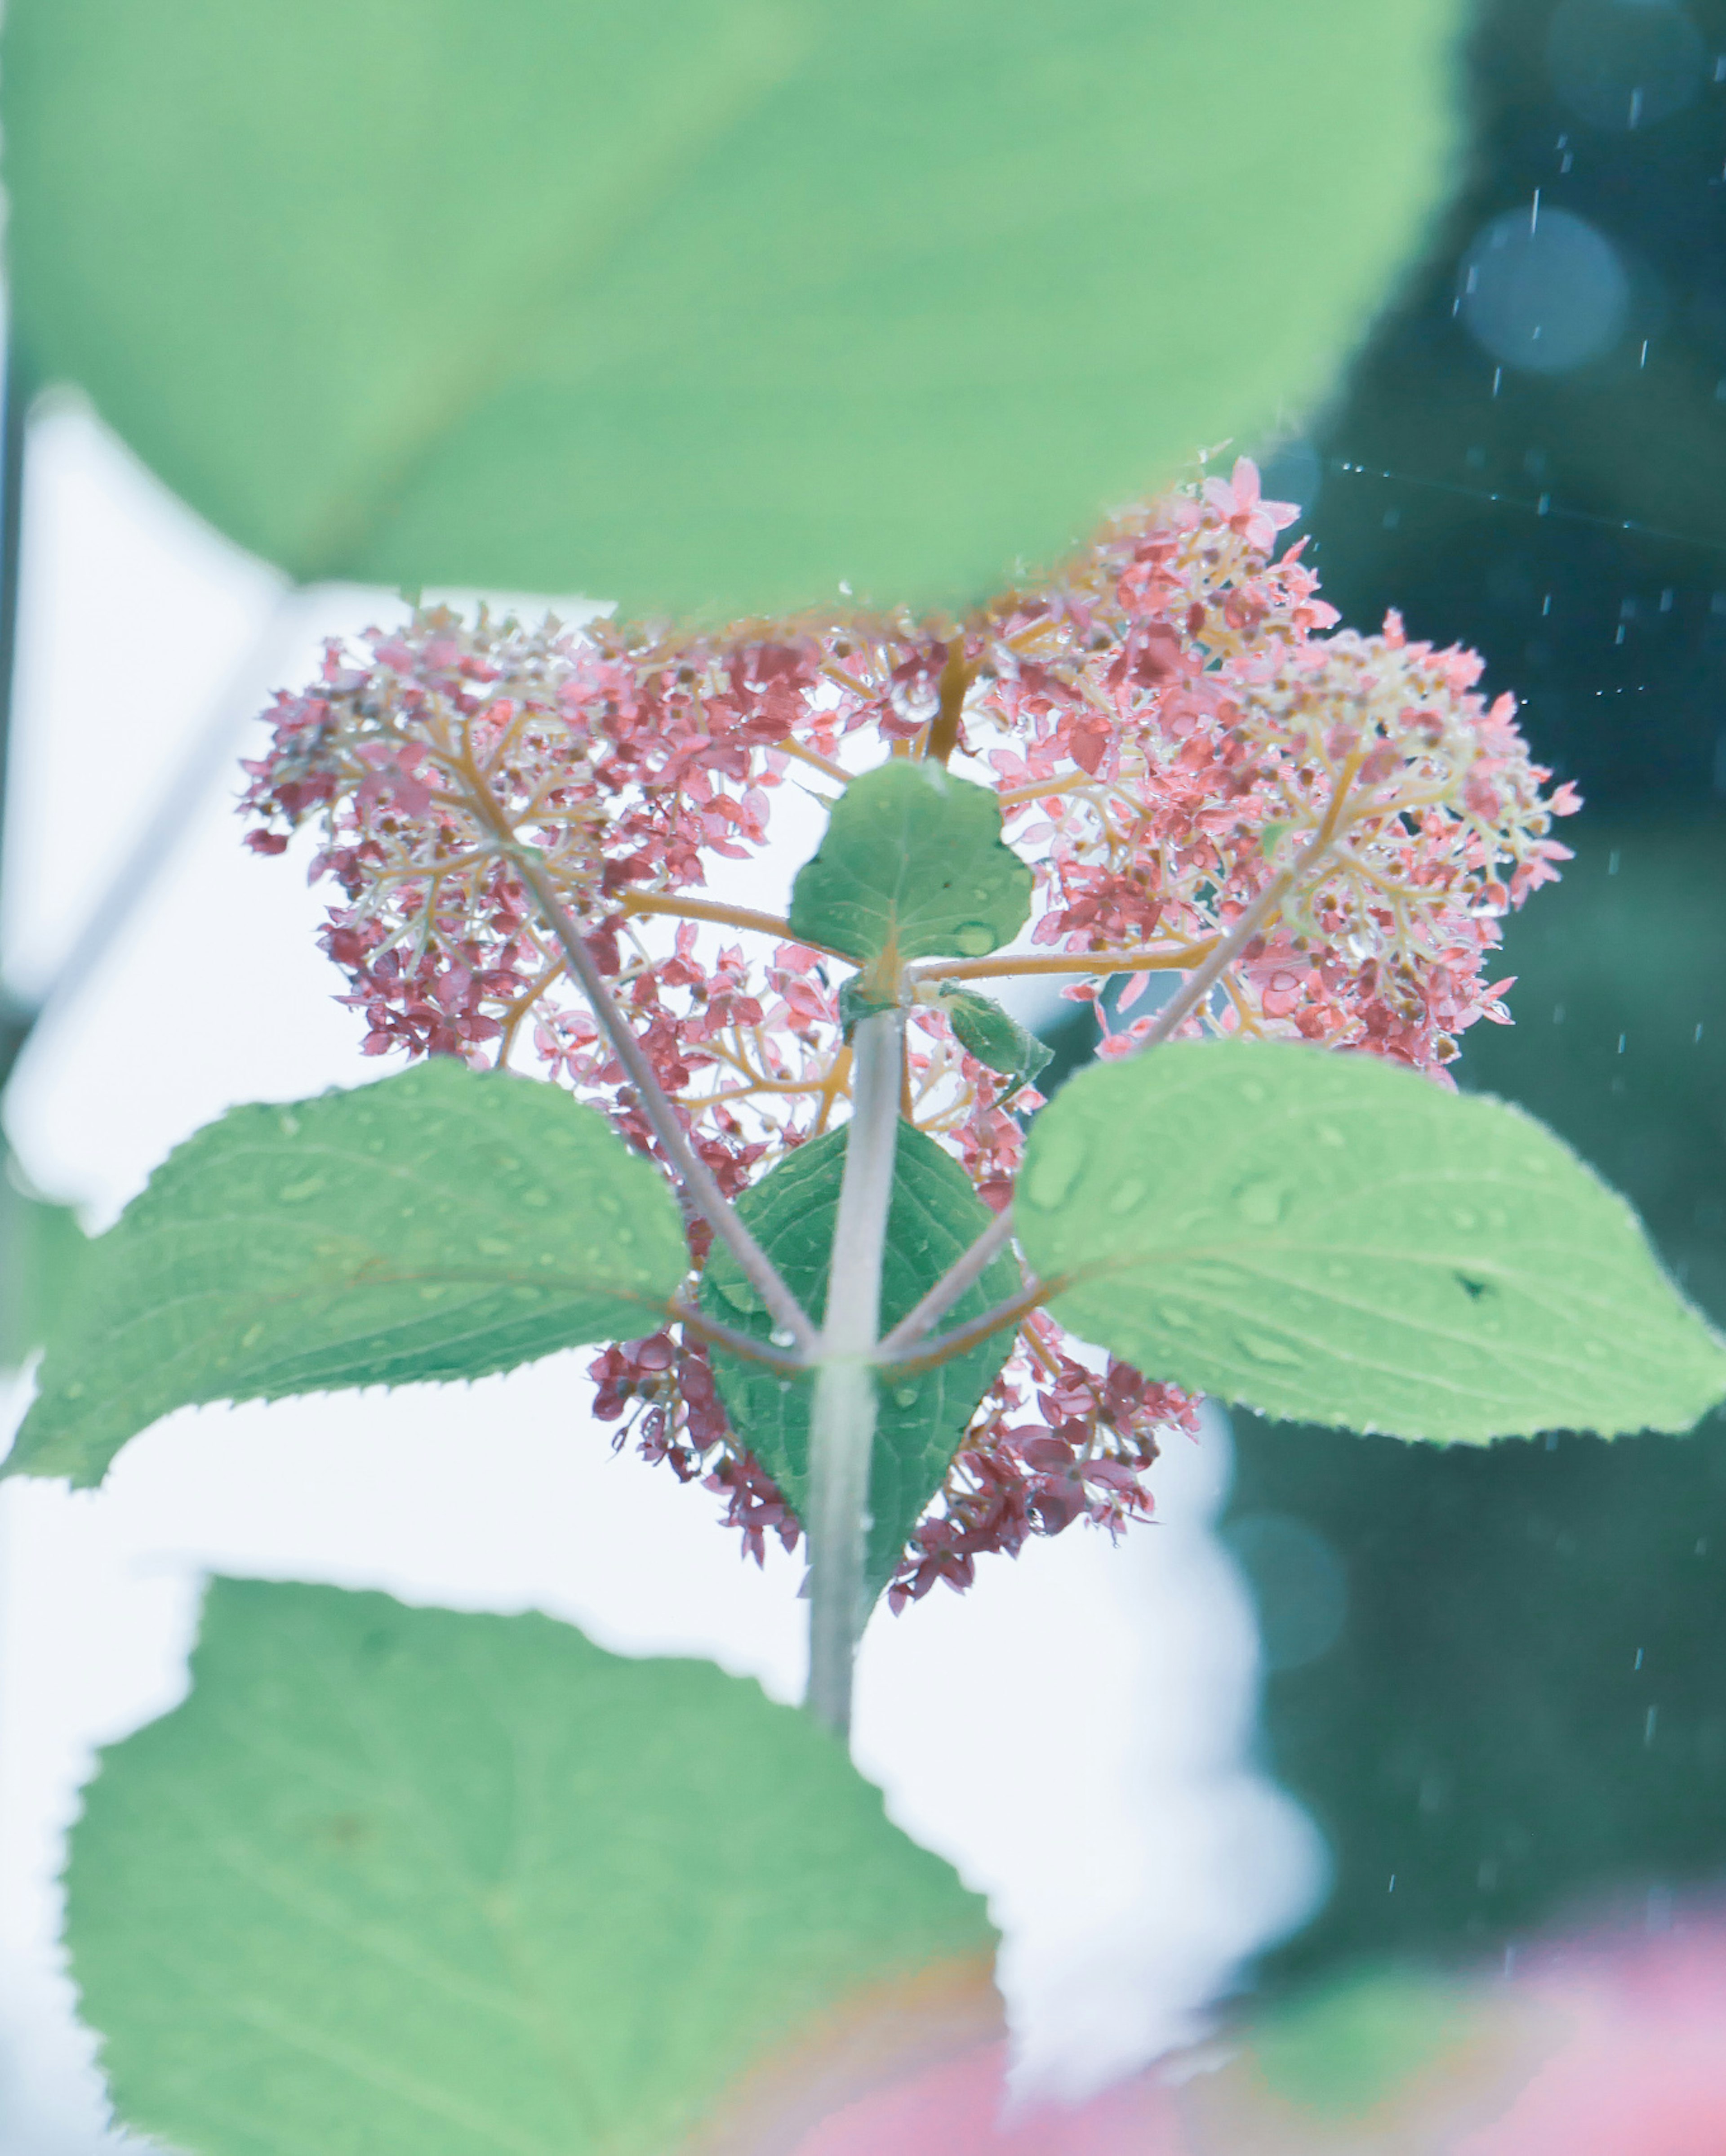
1175, 734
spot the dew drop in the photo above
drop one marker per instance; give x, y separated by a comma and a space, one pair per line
291, 1194
251, 1335
1464, 1219
905, 1396
1175, 1317
1263, 1348
289, 1125
974, 938
781, 1338
607, 1203
1260, 1202
1055, 1167
1126, 1196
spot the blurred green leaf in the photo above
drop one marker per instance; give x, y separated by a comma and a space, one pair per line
712, 306
42, 1249
1387, 2058
934, 1216
913, 866
399, 1879
1326, 1237
444, 1224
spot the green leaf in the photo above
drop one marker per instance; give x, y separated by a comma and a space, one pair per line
42, 1251
400, 1879
913, 866
994, 1036
713, 306
933, 1216
441, 1224
1328, 1239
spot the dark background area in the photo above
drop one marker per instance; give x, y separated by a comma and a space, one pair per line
1498, 1678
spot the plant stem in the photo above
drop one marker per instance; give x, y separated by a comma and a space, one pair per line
1141, 958
911, 1360
964, 1272
678, 907
843, 1426
692, 1171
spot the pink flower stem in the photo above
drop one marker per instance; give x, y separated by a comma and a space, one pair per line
714, 1334
841, 1432
908, 1362
692, 1171
963, 1273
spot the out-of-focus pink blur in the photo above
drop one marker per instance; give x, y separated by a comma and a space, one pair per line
1607, 2042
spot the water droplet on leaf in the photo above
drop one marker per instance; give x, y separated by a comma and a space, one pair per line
1054, 1167
1264, 1348
1260, 1202
974, 939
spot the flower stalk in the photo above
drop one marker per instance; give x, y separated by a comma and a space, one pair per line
842, 1428
694, 1176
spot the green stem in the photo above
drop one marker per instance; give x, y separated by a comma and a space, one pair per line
842, 1428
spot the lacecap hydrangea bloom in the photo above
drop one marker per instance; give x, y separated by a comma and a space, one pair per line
1185, 748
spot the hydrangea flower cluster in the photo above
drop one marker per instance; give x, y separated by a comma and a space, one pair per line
1184, 751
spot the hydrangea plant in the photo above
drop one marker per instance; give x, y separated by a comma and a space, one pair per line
846, 1264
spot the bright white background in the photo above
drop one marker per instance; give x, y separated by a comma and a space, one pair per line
1074, 1734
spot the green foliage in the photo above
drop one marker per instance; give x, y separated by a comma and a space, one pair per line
913, 865
441, 1224
399, 1879
995, 1036
42, 1249
713, 306
1323, 1237
933, 1217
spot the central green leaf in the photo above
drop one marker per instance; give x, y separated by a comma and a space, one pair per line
1326, 1238
934, 1216
444, 1224
913, 866
405, 1882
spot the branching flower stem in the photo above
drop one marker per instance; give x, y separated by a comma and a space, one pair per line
843, 1426
693, 1173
